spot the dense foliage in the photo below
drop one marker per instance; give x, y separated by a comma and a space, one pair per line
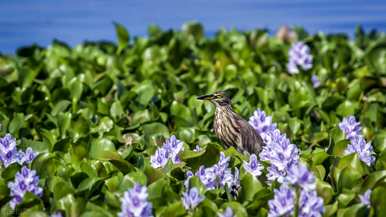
96, 113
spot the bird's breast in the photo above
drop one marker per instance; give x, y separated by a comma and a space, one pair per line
226, 128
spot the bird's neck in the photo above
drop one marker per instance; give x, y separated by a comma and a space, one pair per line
224, 110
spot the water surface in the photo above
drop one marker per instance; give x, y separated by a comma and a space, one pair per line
23, 22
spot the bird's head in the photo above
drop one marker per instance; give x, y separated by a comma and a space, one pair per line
219, 98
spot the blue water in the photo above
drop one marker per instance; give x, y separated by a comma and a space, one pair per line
23, 22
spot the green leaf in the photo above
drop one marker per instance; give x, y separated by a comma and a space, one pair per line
319, 156
379, 142
9, 173
76, 88
18, 121
325, 191
152, 131
122, 36
349, 178
37, 146
374, 178
347, 108
193, 28
116, 109
102, 149
376, 56
105, 125
173, 210
378, 200
59, 107
59, 187
345, 198
331, 209
209, 207
145, 92
33, 213
295, 125
181, 113
249, 187
4, 191
71, 205
354, 210
348, 172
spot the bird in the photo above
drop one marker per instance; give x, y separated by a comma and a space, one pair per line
231, 128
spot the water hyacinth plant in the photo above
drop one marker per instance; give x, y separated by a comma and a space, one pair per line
363, 149
283, 203
9, 153
219, 175
350, 127
170, 150
299, 175
281, 155
253, 167
262, 124
227, 213
95, 113
191, 198
57, 214
365, 198
310, 204
25, 181
352, 130
315, 81
300, 58
135, 204
285, 167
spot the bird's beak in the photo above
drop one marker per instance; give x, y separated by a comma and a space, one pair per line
206, 97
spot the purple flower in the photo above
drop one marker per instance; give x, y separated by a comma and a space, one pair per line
352, 130
299, 58
207, 177
159, 159
135, 203
365, 198
8, 151
26, 180
315, 81
173, 146
219, 175
283, 203
350, 127
310, 205
227, 213
215, 176
262, 123
27, 157
299, 175
253, 166
281, 155
170, 150
57, 214
197, 148
364, 150
191, 199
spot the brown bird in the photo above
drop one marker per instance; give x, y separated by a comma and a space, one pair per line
230, 128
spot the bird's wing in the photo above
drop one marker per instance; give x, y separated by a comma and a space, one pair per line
251, 140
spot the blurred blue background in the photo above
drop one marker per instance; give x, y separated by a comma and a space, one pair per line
23, 22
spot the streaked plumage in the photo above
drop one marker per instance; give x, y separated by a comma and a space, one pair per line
232, 129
